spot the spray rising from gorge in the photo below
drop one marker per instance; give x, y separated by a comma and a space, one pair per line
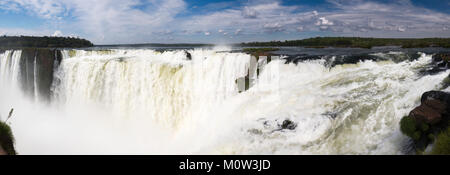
143, 101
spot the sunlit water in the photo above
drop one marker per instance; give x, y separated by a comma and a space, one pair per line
148, 102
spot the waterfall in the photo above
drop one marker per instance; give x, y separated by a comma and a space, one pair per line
10, 68
142, 101
35, 80
163, 86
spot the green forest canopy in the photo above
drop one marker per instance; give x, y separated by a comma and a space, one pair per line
46, 41
357, 42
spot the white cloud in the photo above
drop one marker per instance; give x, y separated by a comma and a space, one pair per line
324, 21
248, 12
43, 8
273, 27
238, 31
111, 20
57, 33
315, 13
269, 17
381, 18
118, 21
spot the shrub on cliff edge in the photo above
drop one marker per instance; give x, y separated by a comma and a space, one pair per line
7, 139
408, 127
442, 143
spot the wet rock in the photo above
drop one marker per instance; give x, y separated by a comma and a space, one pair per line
427, 120
39, 64
287, 124
434, 105
441, 57
243, 83
332, 115
353, 59
188, 55
436, 95
408, 147
440, 62
427, 114
438, 106
302, 57
414, 56
275, 125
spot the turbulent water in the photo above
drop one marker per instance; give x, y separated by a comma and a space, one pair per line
129, 101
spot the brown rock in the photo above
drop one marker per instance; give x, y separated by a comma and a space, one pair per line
425, 113
437, 105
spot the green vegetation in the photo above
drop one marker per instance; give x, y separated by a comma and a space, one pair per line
51, 42
424, 134
7, 139
408, 126
356, 42
442, 143
424, 127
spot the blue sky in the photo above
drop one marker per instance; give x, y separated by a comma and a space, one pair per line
219, 21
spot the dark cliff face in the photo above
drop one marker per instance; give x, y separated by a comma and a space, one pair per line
39, 64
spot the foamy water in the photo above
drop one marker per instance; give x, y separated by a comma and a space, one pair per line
149, 102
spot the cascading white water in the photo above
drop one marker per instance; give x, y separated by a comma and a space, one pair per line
368, 100
148, 102
35, 79
10, 68
161, 86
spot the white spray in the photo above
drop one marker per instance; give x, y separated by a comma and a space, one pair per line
148, 102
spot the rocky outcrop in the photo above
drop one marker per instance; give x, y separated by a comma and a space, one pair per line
287, 124
436, 95
444, 58
426, 122
435, 105
37, 66
256, 67
440, 62
429, 112
188, 55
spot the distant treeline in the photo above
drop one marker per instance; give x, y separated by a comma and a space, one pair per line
46, 41
320, 42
